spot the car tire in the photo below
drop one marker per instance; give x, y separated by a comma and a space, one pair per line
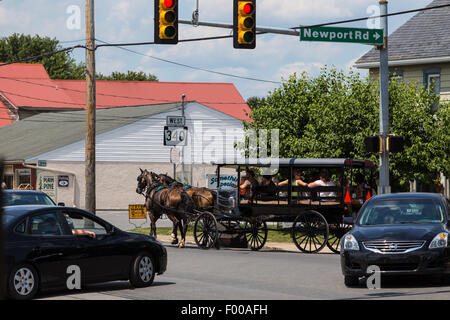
143, 270
351, 281
23, 282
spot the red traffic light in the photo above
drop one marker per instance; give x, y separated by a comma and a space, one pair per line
169, 3
248, 8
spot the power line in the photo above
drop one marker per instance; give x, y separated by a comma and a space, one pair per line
188, 66
43, 55
373, 17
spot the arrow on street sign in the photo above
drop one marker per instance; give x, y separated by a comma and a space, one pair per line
350, 35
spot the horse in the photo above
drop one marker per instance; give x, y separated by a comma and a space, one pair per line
160, 199
203, 197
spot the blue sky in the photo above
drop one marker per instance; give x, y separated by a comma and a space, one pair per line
275, 57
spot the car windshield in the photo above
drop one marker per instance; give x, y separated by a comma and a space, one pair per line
402, 211
15, 199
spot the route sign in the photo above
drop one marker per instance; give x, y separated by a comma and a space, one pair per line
175, 136
351, 35
175, 121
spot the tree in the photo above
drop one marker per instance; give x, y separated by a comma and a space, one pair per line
328, 116
59, 66
254, 102
18, 47
129, 76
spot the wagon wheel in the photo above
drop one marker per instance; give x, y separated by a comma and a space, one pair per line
256, 234
205, 231
310, 232
336, 232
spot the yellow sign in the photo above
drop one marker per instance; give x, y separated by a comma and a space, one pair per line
137, 211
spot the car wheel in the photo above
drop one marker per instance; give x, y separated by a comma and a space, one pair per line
142, 270
351, 281
23, 282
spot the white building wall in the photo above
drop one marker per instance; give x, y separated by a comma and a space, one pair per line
211, 136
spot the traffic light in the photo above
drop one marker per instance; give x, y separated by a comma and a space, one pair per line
373, 144
244, 24
166, 22
395, 144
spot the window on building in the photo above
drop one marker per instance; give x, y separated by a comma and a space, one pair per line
432, 80
23, 179
396, 74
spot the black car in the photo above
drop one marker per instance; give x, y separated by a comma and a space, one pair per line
26, 197
60, 247
404, 233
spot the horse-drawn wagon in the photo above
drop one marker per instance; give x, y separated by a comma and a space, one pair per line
313, 214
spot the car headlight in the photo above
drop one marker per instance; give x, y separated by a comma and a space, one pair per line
350, 243
439, 241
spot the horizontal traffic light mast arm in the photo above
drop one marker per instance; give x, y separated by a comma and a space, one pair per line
288, 32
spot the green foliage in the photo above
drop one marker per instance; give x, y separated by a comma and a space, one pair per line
254, 102
328, 116
59, 66
129, 76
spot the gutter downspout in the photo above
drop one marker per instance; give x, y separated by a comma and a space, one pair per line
55, 171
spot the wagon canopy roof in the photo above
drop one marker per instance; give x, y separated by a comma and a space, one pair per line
296, 162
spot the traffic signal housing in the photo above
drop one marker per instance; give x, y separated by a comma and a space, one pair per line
166, 22
244, 24
373, 144
395, 144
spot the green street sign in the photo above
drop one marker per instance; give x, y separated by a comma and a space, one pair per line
351, 35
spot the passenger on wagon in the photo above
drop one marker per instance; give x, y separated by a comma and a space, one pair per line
249, 185
324, 181
267, 187
296, 181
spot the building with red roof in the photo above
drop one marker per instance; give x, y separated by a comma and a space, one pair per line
26, 89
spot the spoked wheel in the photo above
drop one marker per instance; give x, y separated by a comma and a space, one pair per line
310, 232
336, 232
256, 234
205, 231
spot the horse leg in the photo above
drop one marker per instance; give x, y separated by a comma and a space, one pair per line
183, 231
174, 234
152, 225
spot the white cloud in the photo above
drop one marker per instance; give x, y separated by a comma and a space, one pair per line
312, 68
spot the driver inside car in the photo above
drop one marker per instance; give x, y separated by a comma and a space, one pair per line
78, 232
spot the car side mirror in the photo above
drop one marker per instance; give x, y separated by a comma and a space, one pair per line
349, 220
111, 231
61, 204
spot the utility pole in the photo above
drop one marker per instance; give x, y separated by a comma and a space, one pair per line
90, 109
2, 239
182, 147
383, 185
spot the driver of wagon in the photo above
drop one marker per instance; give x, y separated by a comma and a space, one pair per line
249, 184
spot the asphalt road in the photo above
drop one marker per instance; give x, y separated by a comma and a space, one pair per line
240, 274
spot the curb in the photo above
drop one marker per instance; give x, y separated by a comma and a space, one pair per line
269, 246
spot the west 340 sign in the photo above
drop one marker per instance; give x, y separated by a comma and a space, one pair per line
175, 136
